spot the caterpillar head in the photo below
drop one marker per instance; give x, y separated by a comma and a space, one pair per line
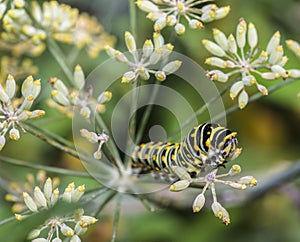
223, 148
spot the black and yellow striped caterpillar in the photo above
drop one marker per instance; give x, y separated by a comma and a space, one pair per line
207, 145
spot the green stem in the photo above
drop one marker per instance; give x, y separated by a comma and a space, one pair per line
7, 220
291, 173
132, 123
106, 200
117, 217
57, 54
133, 25
50, 140
111, 145
254, 98
74, 53
51, 135
147, 113
45, 168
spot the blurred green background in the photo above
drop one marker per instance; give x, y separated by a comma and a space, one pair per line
268, 131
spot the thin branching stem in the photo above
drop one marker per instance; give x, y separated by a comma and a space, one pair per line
45, 168
51, 141
133, 25
111, 145
274, 182
106, 200
117, 217
147, 113
132, 123
255, 97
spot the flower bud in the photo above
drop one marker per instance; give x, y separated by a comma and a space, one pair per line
198, 203
262, 89
294, 73
66, 230
3, 95
143, 73
213, 48
269, 75
2, 142
216, 75
220, 212
14, 134
249, 80
67, 195
29, 202
179, 185
147, 6
273, 42
33, 234
237, 185
276, 55
128, 77
77, 194
248, 180
60, 98
235, 89
171, 67
252, 35
155, 56
48, 188
171, 20
10, 86
216, 61
130, 42
232, 44
220, 39
85, 112
54, 196
39, 197
243, 99
158, 40
88, 219
159, 24
241, 33
36, 89
59, 85
147, 48
160, 75
195, 24
79, 79
234, 170
294, 46
222, 12
180, 29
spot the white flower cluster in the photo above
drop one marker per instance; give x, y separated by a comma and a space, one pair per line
170, 13
52, 18
5, 5
14, 111
70, 226
60, 21
93, 138
209, 181
68, 98
240, 55
143, 62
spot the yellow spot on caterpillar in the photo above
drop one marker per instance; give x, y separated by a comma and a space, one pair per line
207, 143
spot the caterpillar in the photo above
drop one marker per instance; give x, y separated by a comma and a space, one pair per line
206, 145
